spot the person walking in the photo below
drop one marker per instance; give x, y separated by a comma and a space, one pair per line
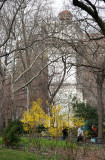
80, 135
94, 134
65, 133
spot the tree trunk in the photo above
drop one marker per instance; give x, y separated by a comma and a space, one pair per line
100, 107
28, 99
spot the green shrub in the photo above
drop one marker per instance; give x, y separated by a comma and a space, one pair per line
11, 133
89, 113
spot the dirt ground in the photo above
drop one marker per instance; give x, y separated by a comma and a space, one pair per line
82, 153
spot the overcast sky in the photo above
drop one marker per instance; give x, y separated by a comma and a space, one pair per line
59, 5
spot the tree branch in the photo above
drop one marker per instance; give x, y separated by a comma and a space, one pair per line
30, 66
2, 4
10, 28
91, 12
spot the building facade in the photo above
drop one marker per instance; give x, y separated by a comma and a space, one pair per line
64, 70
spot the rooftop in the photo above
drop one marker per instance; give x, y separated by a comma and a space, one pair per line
65, 15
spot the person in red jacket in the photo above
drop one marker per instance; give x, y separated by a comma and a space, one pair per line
94, 131
94, 134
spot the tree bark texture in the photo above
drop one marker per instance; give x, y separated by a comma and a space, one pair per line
100, 81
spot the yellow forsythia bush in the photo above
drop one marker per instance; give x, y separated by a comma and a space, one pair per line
55, 121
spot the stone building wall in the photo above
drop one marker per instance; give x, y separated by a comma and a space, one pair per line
69, 32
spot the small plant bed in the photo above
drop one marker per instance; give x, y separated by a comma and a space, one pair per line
41, 148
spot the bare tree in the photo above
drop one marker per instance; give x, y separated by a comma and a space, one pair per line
26, 53
95, 21
19, 45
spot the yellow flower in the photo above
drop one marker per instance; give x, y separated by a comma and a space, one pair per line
55, 122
